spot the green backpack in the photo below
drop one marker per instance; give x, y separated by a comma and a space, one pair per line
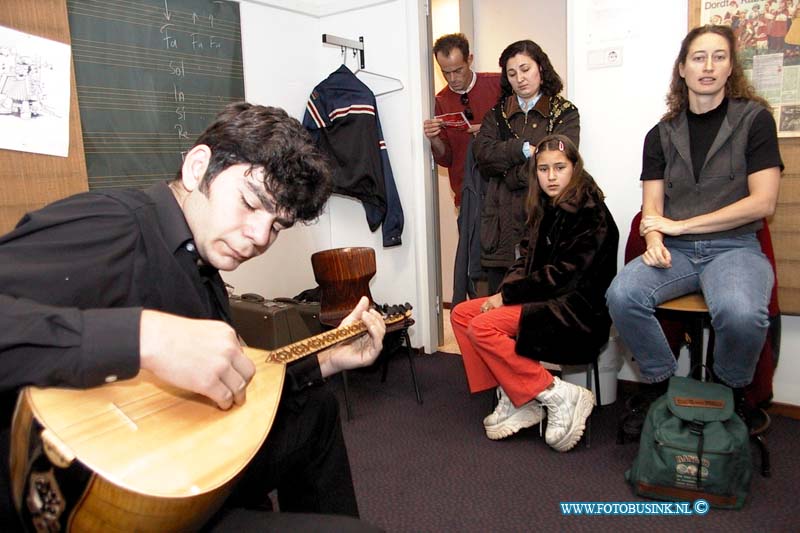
693, 446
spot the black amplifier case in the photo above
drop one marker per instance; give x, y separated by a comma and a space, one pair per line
270, 324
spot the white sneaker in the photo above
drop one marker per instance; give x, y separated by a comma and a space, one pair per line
507, 419
568, 407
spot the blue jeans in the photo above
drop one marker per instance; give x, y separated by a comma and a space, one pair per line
736, 280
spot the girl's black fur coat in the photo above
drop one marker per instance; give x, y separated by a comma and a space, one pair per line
561, 277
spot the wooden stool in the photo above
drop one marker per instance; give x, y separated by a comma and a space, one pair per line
695, 305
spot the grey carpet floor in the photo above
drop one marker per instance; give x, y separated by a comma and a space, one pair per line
430, 467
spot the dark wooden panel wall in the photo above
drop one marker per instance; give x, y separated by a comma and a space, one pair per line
785, 228
29, 181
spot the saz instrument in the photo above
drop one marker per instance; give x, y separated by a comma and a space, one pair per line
142, 455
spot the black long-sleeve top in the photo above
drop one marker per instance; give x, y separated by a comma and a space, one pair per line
74, 278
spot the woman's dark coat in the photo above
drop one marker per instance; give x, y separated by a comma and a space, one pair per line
498, 152
568, 262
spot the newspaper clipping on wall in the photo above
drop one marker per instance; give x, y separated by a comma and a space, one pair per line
768, 37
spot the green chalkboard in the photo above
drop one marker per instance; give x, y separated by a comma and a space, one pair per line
151, 75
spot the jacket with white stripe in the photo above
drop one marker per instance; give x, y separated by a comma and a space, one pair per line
342, 117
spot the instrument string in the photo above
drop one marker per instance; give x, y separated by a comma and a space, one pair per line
163, 398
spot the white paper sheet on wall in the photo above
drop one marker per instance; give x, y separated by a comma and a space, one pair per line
616, 20
34, 93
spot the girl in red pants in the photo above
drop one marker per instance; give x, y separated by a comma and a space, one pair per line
551, 305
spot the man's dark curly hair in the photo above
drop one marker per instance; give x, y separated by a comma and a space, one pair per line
296, 173
551, 81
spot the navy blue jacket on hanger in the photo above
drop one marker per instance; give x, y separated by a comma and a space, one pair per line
342, 117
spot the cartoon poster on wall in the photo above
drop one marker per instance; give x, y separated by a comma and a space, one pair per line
34, 93
768, 38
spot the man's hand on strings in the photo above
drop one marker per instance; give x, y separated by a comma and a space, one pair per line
361, 351
202, 356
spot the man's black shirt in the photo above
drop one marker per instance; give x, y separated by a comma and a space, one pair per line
74, 278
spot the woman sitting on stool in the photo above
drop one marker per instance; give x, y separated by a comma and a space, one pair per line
711, 172
550, 306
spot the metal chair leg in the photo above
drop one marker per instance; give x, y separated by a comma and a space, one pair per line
407, 341
759, 435
384, 369
346, 396
695, 328
591, 369
597, 383
766, 468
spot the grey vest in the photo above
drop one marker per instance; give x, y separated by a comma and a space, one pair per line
723, 177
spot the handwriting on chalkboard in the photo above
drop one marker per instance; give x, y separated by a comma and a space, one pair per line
151, 75
199, 41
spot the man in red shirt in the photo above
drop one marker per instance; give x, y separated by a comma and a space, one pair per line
473, 93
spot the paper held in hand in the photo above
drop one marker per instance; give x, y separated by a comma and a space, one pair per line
457, 121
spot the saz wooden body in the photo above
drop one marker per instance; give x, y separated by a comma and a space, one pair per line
159, 458
141, 455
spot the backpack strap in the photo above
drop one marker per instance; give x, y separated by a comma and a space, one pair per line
696, 428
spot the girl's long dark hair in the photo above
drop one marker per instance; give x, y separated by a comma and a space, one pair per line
579, 185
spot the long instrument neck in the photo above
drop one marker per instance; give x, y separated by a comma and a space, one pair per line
317, 343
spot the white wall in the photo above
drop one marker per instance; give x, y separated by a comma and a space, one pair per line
277, 79
620, 104
445, 18
785, 383
499, 23
284, 59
